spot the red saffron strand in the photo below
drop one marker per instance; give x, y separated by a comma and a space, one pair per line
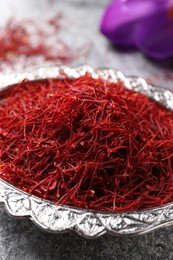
33, 43
87, 143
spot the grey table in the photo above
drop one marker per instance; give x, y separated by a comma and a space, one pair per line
20, 239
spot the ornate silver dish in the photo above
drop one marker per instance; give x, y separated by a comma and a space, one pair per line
88, 223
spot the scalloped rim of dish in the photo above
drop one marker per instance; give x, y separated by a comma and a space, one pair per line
88, 223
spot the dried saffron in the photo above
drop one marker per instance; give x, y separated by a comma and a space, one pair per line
88, 143
30, 43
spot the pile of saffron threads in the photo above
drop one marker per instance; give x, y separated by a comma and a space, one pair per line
87, 143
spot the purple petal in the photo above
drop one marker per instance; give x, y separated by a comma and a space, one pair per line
122, 18
155, 35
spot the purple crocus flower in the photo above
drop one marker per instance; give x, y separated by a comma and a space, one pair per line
143, 24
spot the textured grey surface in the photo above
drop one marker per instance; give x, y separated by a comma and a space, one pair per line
20, 239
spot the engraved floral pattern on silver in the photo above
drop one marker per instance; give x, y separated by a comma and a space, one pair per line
88, 223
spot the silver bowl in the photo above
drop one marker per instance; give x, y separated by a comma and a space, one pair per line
88, 223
